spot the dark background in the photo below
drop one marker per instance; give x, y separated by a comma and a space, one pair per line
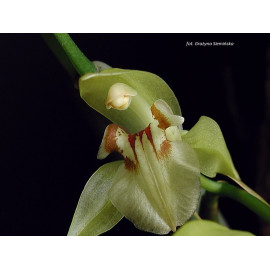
49, 137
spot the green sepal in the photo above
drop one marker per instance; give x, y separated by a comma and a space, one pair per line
94, 88
207, 228
207, 140
95, 214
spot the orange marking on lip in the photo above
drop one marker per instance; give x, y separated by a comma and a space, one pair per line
111, 145
165, 148
130, 165
110, 138
131, 139
162, 119
150, 138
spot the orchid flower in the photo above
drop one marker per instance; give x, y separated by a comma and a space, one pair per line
157, 185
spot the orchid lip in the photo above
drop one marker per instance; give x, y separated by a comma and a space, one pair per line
157, 187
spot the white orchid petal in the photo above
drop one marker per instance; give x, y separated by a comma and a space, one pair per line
173, 134
162, 192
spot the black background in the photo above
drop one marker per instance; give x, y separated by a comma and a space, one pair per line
49, 137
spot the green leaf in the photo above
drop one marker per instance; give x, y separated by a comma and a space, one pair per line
208, 142
95, 214
94, 89
207, 228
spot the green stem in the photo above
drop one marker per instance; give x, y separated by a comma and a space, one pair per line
80, 62
237, 194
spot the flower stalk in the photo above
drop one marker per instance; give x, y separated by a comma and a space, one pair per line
81, 63
69, 54
237, 194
